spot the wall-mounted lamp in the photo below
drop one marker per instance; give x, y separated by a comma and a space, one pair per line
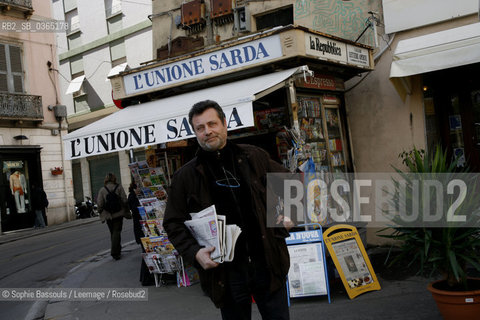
20, 137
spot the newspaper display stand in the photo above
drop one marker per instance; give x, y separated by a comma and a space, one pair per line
159, 255
351, 260
308, 270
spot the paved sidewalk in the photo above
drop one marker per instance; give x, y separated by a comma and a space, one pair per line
398, 299
406, 299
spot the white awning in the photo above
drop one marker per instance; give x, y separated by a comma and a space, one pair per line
116, 70
166, 120
75, 85
441, 50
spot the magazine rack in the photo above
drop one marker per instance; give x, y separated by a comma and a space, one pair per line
160, 256
180, 273
308, 269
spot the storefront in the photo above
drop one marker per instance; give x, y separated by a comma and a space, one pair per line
20, 171
448, 63
269, 85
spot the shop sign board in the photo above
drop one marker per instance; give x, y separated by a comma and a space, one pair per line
205, 65
320, 82
8, 165
351, 260
307, 275
325, 48
156, 131
358, 56
336, 51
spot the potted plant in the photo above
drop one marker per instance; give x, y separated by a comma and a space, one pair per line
446, 248
56, 171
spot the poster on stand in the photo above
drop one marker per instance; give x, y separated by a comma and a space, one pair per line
306, 276
351, 260
352, 263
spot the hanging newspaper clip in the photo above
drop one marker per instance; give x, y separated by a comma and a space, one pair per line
308, 270
351, 260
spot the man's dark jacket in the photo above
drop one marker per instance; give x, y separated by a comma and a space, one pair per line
189, 193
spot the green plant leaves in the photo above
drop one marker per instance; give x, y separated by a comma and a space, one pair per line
447, 249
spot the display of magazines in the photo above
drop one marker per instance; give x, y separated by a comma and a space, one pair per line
152, 208
152, 227
160, 255
190, 276
161, 263
152, 181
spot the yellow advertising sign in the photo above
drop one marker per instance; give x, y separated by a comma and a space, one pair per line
351, 260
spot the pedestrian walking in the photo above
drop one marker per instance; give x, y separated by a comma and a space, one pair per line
232, 177
112, 206
39, 205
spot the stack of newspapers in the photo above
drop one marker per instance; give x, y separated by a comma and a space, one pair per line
211, 230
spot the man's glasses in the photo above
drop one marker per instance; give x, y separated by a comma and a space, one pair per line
230, 181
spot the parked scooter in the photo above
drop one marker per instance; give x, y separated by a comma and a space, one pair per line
85, 209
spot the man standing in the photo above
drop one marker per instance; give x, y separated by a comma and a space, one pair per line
233, 178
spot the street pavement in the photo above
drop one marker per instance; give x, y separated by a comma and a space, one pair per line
398, 299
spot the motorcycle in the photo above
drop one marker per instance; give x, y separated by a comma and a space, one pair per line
85, 209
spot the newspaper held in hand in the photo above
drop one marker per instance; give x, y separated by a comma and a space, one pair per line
211, 230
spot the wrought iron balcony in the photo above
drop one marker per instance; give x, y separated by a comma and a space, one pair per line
24, 6
20, 107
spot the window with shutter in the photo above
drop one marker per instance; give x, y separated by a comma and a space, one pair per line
3, 70
81, 103
117, 49
74, 40
3, 83
76, 66
11, 69
114, 24
69, 5
16, 67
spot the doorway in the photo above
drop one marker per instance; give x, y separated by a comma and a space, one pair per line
455, 95
21, 169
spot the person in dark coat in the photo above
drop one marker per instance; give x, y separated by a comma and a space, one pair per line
114, 219
133, 205
39, 203
145, 276
232, 177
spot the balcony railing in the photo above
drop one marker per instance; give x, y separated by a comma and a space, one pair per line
24, 6
20, 107
18, 3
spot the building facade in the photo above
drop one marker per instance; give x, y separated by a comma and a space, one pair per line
105, 37
32, 119
372, 82
423, 91
270, 64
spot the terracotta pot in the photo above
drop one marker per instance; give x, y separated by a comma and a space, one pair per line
463, 305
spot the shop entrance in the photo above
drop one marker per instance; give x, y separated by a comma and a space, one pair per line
20, 170
453, 96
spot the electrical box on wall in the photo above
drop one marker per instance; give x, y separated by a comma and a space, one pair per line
241, 19
221, 12
193, 15
60, 111
220, 8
